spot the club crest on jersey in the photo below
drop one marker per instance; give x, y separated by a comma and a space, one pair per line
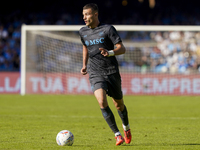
101, 33
94, 42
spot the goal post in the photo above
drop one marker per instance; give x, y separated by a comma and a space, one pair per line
51, 59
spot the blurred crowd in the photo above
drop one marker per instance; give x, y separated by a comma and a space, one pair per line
176, 52
171, 52
170, 55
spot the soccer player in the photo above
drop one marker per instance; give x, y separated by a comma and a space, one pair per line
101, 43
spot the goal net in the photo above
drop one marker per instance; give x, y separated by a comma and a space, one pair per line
159, 60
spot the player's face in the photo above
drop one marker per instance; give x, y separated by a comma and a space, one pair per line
89, 17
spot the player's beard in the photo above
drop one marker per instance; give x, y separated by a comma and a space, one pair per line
89, 23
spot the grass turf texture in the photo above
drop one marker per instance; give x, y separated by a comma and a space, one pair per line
157, 122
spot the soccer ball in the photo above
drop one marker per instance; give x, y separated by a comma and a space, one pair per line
65, 138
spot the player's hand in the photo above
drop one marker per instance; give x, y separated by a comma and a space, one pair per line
104, 52
84, 71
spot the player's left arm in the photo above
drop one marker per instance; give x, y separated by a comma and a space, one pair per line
119, 49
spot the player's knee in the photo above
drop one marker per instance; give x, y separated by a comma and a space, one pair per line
103, 104
119, 105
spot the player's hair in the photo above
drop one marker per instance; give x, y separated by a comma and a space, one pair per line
92, 6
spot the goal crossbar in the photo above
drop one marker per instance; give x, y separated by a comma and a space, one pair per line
118, 27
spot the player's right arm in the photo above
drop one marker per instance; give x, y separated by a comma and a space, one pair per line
85, 60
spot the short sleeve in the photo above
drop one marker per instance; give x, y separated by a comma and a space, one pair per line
82, 40
113, 35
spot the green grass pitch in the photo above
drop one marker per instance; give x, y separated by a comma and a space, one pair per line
157, 122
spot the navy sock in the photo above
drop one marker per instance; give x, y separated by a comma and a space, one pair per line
110, 119
124, 116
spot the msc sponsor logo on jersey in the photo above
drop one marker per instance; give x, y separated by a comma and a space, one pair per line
94, 42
